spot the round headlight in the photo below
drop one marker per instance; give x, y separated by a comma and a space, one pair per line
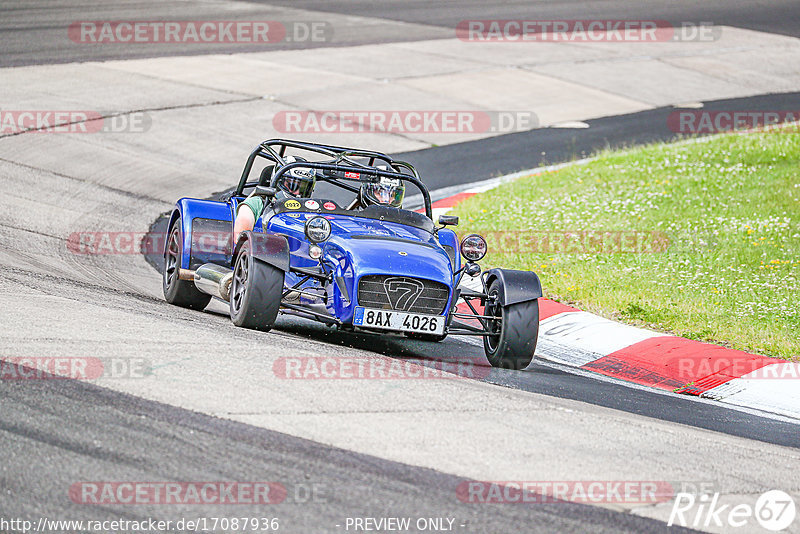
318, 229
473, 247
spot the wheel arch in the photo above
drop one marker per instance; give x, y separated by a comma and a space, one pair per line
176, 214
515, 286
272, 249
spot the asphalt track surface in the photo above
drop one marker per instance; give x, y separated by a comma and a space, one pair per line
780, 16
34, 30
557, 381
57, 432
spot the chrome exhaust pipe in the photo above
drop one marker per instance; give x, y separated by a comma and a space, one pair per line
214, 280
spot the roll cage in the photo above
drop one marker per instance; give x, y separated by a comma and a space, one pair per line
340, 169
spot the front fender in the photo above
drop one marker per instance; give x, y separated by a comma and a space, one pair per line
269, 248
515, 286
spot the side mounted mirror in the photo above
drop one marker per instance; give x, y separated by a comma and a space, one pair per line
448, 220
265, 191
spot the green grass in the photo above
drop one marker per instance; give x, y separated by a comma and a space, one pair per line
710, 248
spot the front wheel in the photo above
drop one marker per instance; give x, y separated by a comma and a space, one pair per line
256, 291
515, 330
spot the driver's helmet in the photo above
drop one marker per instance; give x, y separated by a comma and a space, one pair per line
387, 192
299, 181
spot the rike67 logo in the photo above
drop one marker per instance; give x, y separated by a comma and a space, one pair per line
774, 511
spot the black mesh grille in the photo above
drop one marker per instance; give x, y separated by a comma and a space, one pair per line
414, 295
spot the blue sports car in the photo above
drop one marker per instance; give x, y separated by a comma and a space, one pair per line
363, 265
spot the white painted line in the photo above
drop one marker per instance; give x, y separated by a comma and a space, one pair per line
438, 212
415, 201
689, 105
576, 125
474, 284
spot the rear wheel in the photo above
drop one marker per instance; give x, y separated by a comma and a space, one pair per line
515, 331
176, 291
256, 291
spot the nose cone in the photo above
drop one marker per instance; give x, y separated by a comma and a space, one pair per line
371, 255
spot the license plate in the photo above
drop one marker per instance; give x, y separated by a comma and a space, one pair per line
400, 321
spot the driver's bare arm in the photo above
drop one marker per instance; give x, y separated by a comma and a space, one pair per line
245, 220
